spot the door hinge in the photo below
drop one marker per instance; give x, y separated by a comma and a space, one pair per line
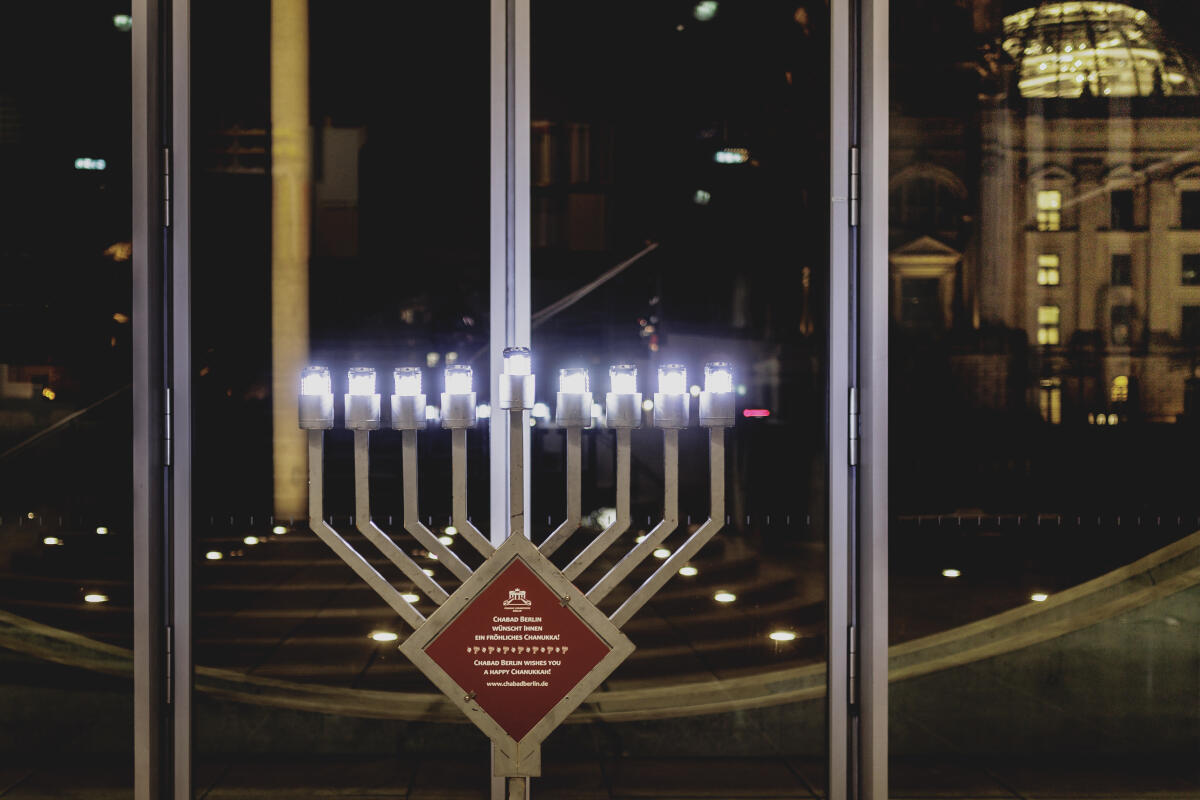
855, 185
167, 424
852, 669
166, 187
853, 420
169, 670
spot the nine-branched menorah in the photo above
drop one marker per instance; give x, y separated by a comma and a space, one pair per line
517, 753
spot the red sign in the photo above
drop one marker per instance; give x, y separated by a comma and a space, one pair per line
517, 649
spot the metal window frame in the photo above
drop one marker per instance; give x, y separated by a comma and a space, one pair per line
857, 560
873, 320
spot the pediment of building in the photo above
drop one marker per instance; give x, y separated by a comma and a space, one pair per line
924, 255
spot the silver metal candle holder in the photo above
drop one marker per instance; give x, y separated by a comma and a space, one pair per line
515, 395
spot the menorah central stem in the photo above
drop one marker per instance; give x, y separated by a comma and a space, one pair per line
516, 472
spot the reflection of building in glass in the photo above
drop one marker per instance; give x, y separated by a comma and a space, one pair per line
1075, 290
1094, 49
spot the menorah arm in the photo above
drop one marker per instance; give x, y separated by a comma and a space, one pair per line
714, 523
340, 547
458, 506
574, 494
620, 524
412, 522
661, 531
362, 519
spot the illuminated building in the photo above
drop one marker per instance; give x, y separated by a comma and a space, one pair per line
1064, 210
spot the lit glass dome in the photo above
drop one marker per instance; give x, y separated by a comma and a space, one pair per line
1097, 50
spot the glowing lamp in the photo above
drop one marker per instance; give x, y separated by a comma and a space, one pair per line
624, 402
316, 399
623, 378
516, 383
573, 380
362, 403
672, 403
315, 381
716, 401
361, 381
718, 377
672, 379
459, 379
574, 407
408, 381
517, 361
458, 401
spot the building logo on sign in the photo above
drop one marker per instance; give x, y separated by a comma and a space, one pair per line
517, 601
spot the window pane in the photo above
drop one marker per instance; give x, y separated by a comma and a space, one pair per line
354, 181
1044, 472
66, 493
704, 137
1122, 269
1191, 269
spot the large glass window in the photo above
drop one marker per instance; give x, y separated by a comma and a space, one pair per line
678, 214
1042, 462
66, 493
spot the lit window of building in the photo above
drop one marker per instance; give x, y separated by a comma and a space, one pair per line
1119, 393
1047, 273
1050, 400
1190, 275
1122, 269
1049, 210
1047, 320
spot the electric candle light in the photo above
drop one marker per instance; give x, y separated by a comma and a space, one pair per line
517, 361
316, 399
458, 379
315, 382
672, 379
718, 377
361, 381
408, 381
623, 378
573, 380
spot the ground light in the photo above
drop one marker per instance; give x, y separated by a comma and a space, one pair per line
1038, 597
724, 597
451, 530
951, 573
279, 530
251, 540
53, 540
410, 597
689, 572
782, 636
446, 540
662, 552
428, 572
214, 555
384, 636
95, 597
102, 531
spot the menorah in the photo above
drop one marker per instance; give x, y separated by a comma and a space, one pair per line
517, 646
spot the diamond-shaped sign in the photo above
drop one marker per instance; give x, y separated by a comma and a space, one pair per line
517, 648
